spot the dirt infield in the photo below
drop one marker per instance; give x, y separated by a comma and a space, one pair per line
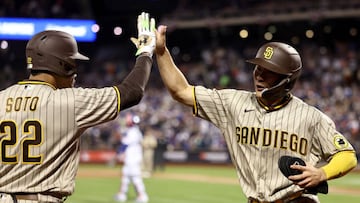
115, 172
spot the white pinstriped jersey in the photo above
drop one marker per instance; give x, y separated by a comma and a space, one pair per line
256, 138
132, 137
40, 127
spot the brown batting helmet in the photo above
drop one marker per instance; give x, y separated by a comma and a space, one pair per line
53, 51
280, 58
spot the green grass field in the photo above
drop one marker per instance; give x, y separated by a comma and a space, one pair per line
189, 184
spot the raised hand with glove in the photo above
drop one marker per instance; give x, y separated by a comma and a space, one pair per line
145, 43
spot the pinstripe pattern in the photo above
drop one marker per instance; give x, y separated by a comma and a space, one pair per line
256, 138
48, 123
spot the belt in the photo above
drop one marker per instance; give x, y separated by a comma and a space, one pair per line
286, 199
34, 196
24, 196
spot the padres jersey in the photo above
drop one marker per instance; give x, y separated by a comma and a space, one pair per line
256, 138
39, 133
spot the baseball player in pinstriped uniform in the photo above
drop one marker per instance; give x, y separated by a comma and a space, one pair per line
259, 127
43, 117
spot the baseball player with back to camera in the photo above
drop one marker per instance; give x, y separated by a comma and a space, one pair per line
43, 117
261, 126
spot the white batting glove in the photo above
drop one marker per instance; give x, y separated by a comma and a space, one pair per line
146, 34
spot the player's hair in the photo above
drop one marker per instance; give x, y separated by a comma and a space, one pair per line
53, 51
280, 58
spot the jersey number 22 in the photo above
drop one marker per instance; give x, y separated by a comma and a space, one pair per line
33, 132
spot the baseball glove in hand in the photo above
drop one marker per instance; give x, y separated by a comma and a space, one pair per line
284, 164
146, 34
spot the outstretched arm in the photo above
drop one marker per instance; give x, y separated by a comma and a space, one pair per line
172, 77
132, 88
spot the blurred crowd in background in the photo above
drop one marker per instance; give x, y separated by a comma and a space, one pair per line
330, 80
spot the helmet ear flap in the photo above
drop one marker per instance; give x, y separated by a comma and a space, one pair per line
289, 85
68, 68
293, 78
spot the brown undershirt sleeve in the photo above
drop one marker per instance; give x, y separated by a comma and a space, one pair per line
133, 86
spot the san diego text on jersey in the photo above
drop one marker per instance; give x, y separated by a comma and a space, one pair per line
271, 138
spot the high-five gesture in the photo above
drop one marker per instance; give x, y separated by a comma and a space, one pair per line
146, 34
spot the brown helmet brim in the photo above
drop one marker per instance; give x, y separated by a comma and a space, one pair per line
79, 56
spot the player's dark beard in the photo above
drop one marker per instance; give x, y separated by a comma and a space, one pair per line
276, 92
